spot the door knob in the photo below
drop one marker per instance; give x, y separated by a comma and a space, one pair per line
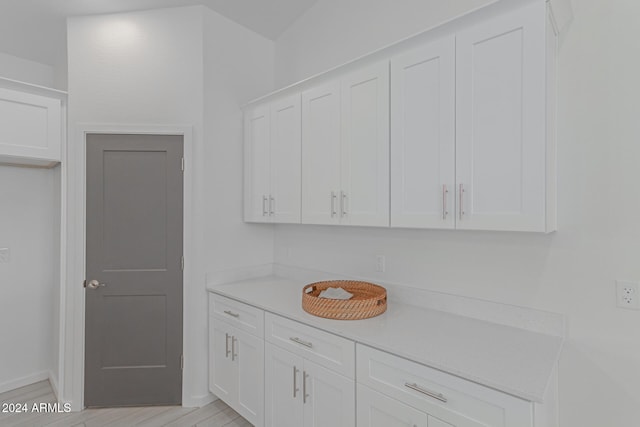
94, 284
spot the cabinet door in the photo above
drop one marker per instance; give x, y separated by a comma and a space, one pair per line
423, 136
321, 154
222, 370
434, 422
329, 398
501, 133
283, 388
378, 410
257, 160
249, 357
285, 160
30, 128
365, 147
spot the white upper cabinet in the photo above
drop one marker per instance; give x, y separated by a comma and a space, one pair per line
285, 159
257, 131
423, 95
364, 194
345, 150
272, 161
454, 132
321, 154
30, 128
501, 104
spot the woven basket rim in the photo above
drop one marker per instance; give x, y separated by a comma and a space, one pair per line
372, 303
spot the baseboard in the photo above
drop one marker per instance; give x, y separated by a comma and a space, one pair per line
198, 401
23, 381
54, 385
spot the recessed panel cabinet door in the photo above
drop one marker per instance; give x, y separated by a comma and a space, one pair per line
501, 134
423, 95
329, 398
223, 382
283, 388
249, 356
364, 198
285, 160
378, 410
257, 135
321, 154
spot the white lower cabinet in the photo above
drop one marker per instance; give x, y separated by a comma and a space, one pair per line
377, 410
236, 369
309, 379
277, 372
301, 393
446, 400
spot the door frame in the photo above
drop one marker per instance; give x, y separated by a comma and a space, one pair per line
73, 254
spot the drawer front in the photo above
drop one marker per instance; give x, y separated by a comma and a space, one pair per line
323, 348
240, 315
443, 396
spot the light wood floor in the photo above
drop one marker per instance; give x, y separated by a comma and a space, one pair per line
216, 414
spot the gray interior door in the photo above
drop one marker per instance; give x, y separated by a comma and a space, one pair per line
133, 326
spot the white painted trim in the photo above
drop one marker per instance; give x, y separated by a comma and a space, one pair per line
54, 385
72, 305
23, 381
198, 401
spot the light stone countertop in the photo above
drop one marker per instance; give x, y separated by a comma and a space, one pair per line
505, 358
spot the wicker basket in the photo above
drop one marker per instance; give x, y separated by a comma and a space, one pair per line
368, 300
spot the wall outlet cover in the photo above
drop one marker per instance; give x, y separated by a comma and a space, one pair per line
627, 294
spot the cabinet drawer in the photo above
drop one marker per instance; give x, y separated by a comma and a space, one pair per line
240, 315
449, 398
323, 348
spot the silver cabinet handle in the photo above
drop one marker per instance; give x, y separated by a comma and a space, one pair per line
226, 345
304, 387
272, 205
231, 313
333, 204
299, 341
433, 394
264, 206
444, 202
343, 203
234, 355
295, 385
461, 196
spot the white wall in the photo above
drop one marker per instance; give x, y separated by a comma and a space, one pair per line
570, 272
24, 70
29, 226
180, 66
28, 282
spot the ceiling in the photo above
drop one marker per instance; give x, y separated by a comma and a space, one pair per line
36, 29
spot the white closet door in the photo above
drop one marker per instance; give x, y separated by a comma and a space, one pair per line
501, 146
423, 96
256, 163
321, 154
365, 147
285, 160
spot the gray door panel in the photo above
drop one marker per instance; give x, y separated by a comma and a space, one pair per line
133, 326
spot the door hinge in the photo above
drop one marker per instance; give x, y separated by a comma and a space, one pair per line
183, 164
84, 284
182, 263
182, 362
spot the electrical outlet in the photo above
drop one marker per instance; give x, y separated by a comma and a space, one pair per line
381, 263
627, 294
5, 255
